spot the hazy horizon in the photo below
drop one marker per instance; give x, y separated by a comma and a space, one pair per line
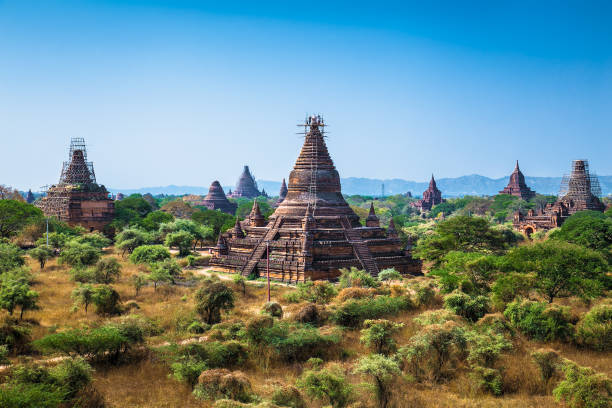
187, 92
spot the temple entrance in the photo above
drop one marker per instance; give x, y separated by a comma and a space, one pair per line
529, 231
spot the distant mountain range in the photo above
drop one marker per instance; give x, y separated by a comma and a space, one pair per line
473, 184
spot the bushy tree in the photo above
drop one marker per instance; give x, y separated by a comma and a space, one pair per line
153, 220
107, 270
42, 254
470, 307
590, 229
595, 329
11, 257
149, 254
79, 255
139, 281
217, 220
356, 278
183, 240
83, 294
15, 292
14, 215
378, 335
131, 238
159, 275
561, 269
106, 300
539, 320
328, 385
469, 272
130, 210
510, 285
461, 233
95, 239
317, 292
212, 299
382, 370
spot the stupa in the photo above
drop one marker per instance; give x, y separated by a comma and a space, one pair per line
432, 196
246, 186
216, 199
78, 199
517, 186
282, 194
314, 232
579, 191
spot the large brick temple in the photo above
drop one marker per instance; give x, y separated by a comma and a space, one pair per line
217, 200
579, 191
517, 186
78, 199
314, 232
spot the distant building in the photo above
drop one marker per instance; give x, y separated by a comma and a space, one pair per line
431, 197
579, 191
246, 186
517, 186
216, 199
78, 199
282, 193
30, 197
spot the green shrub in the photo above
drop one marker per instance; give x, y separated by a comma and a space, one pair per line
425, 294
356, 278
472, 308
317, 292
595, 328
389, 274
73, 373
288, 396
540, 321
353, 312
187, 371
11, 257
212, 299
148, 254
106, 300
583, 388
547, 362
382, 370
488, 379
79, 255
15, 336
510, 285
378, 335
292, 297
328, 385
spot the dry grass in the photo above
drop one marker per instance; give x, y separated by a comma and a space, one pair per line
146, 383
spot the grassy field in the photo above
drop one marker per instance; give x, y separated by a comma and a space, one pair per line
144, 381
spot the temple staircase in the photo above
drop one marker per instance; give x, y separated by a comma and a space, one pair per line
260, 249
362, 252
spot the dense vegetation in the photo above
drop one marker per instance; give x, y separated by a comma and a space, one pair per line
135, 318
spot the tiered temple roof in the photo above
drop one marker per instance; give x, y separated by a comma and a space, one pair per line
246, 186
579, 191
517, 186
216, 199
77, 199
431, 197
313, 233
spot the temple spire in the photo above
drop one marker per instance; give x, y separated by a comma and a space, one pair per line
238, 232
372, 220
256, 219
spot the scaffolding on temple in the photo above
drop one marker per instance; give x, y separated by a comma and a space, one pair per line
77, 170
580, 182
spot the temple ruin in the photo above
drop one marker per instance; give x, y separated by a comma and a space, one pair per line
579, 191
517, 186
431, 197
246, 186
78, 199
314, 232
216, 199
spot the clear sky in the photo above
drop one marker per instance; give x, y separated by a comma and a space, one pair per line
185, 92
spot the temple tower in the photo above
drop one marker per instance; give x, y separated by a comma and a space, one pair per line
431, 197
77, 199
246, 186
313, 233
216, 199
517, 186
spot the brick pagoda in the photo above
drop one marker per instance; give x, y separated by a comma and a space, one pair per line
431, 197
517, 186
77, 199
246, 186
216, 199
313, 233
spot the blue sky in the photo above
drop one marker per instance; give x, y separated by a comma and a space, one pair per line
185, 92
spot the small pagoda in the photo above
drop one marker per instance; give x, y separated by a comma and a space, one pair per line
517, 186
246, 186
580, 191
431, 197
314, 232
216, 199
78, 199
282, 193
